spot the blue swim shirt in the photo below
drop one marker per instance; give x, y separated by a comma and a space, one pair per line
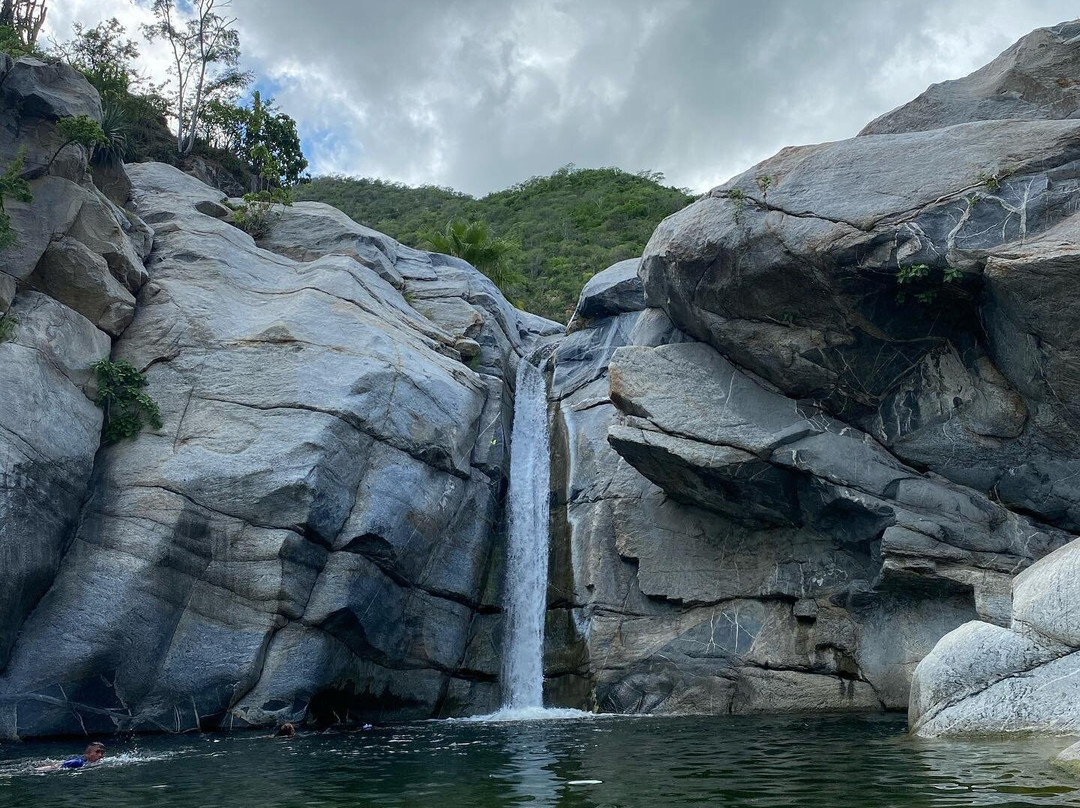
74, 763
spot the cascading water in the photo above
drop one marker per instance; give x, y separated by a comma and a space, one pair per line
527, 555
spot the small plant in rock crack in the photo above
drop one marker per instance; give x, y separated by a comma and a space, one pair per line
254, 216
765, 182
912, 272
992, 182
80, 129
952, 274
120, 394
738, 202
7, 327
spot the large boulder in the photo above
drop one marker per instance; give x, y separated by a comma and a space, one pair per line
50, 90
34, 95
616, 290
881, 278
80, 279
983, 679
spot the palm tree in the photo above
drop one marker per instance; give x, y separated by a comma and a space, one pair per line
472, 242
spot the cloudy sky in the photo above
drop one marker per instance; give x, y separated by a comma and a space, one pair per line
481, 94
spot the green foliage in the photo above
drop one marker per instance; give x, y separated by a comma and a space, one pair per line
104, 56
13, 186
911, 273
738, 204
992, 182
134, 110
255, 215
81, 129
567, 226
120, 394
764, 183
115, 126
23, 19
921, 274
473, 242
12, 44
7, 327
264, 138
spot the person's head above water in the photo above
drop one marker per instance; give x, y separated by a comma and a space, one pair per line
94, 752
286, 731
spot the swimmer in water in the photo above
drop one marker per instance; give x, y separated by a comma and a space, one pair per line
93, 753
286, 731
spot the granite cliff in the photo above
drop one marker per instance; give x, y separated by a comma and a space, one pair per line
833, 420
827, 419
311, 530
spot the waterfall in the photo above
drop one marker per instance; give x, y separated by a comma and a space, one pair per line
525, 598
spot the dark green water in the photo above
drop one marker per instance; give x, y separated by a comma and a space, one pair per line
788, 761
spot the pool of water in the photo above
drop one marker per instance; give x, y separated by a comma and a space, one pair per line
601, 762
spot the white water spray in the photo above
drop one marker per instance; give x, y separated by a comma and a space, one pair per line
527, 555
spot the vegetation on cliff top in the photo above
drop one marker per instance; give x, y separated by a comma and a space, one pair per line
565, 227
201, 98
550, 233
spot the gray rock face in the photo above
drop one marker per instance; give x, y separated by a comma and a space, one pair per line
892, 296
825, 422
982, 679
50, 90
680, 599
311, 530
79, 278
1034, 79
33, 96
1069, 760
49, 432
614, 291
62, 287
831, 438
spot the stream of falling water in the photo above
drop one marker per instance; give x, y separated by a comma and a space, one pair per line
527, 552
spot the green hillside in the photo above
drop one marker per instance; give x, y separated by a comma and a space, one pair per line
567, 226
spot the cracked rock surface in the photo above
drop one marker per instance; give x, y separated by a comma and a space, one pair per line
844, 422
311, 530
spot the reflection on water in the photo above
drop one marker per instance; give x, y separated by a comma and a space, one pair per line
600, 763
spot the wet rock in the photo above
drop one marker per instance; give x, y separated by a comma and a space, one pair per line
1069, 760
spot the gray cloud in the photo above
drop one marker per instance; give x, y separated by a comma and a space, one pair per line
480, 94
